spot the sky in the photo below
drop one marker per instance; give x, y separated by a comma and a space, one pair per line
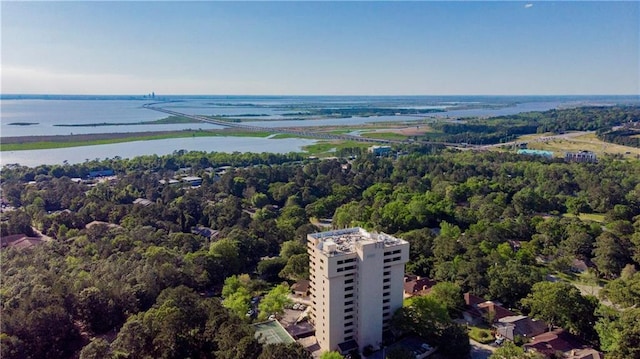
320, 48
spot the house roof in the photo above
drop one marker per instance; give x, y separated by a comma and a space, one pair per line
472, 300
414, 285
301, 286
559, 340
522, 325
19, 241
500, 311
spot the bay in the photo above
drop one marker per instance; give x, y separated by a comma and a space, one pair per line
160, 147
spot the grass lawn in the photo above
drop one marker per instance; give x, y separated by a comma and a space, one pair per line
596, 217
384, 135
327, 148
481, 334
101, 139
585, 141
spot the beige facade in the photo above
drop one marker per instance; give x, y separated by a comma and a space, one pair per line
356, 285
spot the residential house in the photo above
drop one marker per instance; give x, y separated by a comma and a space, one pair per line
416, 285
481, 310
519, 325
301, 288
560, 341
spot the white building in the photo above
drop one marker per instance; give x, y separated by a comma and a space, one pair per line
356, 286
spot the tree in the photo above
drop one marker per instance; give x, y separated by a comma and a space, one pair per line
269, 269
274, 301
238, 302
561, 304
624, 292
227, 251
297, 267
620, 334
611, 254
454, 342
449, 294
512, 281
423, 315
284, 351
97, 349
331, 355
399, 353
508, 350
291, 248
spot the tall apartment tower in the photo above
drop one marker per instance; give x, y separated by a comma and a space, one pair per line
356, 286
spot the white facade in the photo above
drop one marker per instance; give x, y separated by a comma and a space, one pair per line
356, 285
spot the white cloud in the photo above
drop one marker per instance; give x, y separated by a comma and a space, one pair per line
526, 6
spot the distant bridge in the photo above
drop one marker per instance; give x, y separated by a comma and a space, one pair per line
297, 132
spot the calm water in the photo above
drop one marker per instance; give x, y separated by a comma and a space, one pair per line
48, 111
159, 147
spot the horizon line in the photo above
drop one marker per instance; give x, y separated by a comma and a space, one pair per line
312, 95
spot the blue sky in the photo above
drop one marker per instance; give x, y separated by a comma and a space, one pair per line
312, 48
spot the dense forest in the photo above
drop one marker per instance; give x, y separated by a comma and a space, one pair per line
507, 128
140, 284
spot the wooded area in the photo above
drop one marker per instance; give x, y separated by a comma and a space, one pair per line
143, 285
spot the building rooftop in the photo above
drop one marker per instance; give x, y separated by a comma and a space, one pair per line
343, 241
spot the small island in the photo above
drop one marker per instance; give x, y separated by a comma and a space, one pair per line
22, 123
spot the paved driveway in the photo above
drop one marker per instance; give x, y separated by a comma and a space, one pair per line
480, 351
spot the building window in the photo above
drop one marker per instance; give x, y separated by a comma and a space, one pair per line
386, 273
386, 280
385, 294
348, 324
348, 331
386, 287
346, 339
386, 307
350, 316
348, 303
350, 295
349, 288
386, 300
348, 281
347, 310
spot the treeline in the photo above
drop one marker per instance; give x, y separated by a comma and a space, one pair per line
505, 128
492, 223
624, 137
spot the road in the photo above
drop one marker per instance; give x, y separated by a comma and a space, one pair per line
291, 131
564, 136
480, 351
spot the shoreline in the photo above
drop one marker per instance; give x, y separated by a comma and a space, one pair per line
25, 143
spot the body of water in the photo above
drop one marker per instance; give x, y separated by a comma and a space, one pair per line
50, 110
159, 147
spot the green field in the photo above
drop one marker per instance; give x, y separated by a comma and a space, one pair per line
596, 217
32, 143
385, 135
327, 149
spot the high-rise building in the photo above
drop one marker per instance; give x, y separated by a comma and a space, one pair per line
356, 286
